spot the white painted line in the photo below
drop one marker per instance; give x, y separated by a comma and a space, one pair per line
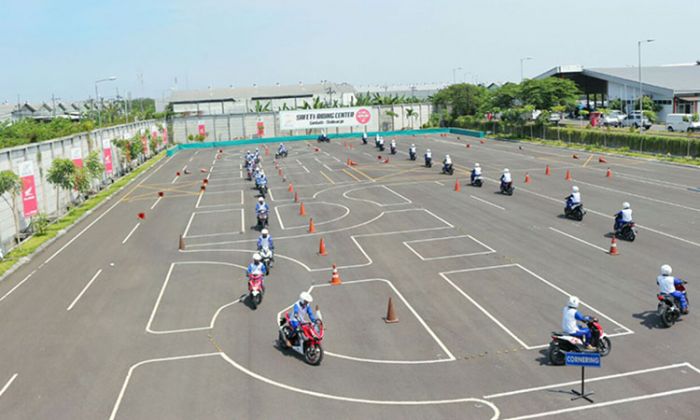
619, 193
327, 167
398, 195
336, 159
306, 169
487, 313
269, 192
242, 198
279, 218
84, 290
487, 202
187, 228
156, 203
191, 157
596, 379
607, 403
299, 162
130, 233
440, 183
490, 250
175, 179
242, 220
580, 240
7, 385
17, 285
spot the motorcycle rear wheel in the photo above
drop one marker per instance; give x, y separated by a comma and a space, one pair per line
667, 318
556, 356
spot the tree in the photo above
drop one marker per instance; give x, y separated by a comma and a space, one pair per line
462, 99
505, 97
94, 166
545, 93
411, 114
60, 175
81, 180
10, 184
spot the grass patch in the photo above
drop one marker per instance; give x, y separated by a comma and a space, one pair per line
30, 245
600, 149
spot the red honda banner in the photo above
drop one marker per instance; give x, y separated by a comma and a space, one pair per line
261, 129
202, 129
165, 135
144, 142
107, 155
76, 155
29, 201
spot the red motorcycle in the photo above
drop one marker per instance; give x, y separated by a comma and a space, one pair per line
256, 289
564, 343
307, 341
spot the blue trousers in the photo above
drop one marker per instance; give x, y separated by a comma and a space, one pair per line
681, 297
585, 333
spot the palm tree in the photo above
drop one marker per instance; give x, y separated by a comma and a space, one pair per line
411, 114
393, 115
318, 104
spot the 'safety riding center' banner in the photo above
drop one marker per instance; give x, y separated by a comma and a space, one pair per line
326, 118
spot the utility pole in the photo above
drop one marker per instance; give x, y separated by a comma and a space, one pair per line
522, 60
641, 108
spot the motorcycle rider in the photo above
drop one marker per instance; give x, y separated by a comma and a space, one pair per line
393, 144
265, 240
257, 268
260, 178
623, 216
301, 306
506, 179
574, 198
428, 156
381, 143
447, 163
667, 286
261, 206
412, 151
281, 149
476, 172
570, 315
364, 137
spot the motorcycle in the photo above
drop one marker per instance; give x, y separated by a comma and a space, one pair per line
281, 154
428, 162
411, 155
575, 212
564, 343
262, 220
507, 188
392, 149
478, 181
307, 341
448, 169
249, 172
262, 188
267, 258
669, 308
256, 290
324, 139
381, 147
627, 231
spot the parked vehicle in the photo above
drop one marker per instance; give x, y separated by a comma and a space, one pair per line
634, 120
612, 119
682, 123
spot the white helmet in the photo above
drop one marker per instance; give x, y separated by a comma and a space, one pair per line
257, 257
574, 189
427, 150
506, 170
573, 302
306, 297
476, 165
666, 270
625, 205
262, 172
413, 145
447, 156
265, 232
261, 200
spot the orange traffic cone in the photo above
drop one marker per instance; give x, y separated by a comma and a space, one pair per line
279, 172
347, 162
302, 210
608, 174
469, 145
203, 188
291, 188
296, 197
601, 159
205, 181
458, 187
335, 277
386, 160
390, 314
322, 248
568, 175
312, 228
177, 173
267, 151
202, 170
575, 156
141, 216
547, 171
613, 246
527, 178
161, 193
181, 246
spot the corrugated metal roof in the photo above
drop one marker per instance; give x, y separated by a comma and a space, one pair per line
244, 93
680, 78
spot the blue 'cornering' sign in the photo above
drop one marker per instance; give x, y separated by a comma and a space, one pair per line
583, 359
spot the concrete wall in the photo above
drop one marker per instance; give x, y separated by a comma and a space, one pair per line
238, 126
42, 155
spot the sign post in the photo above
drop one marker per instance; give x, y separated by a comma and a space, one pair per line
583, 360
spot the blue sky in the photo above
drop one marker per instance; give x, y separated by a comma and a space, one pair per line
62, 47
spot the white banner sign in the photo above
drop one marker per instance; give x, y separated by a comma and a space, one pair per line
325, 118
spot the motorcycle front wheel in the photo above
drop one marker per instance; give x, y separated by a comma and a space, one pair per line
313, 354
253, 302
604, 346
556, 356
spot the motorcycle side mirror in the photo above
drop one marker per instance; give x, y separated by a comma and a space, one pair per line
318, 314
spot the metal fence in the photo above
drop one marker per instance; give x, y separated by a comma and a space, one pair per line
42, 155
245, 126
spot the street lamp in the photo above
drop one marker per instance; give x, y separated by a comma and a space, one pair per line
454, 74
522, 60
639, 56
97, 97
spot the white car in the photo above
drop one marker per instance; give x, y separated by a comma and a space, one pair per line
635, 121
613, 119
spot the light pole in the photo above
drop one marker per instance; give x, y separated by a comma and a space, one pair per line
97, 97
454, 74
639, 56
522, 60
